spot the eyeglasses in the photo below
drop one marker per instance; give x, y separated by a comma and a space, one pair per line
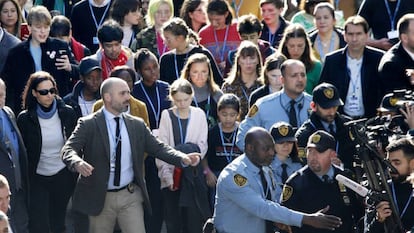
46, 92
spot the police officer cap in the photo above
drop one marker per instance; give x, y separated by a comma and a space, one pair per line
88, 64
389, 103
282, 132
321, 141
326, 95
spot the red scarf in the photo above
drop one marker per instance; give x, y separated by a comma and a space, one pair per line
108, 64
77, 49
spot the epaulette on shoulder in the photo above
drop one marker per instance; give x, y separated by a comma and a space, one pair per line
296, 174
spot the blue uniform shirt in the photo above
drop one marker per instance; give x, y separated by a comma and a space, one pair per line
241, 204
276, 166
271, 109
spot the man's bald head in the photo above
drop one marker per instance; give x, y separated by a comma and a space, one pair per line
259, 146
109, 83
255, 134
115, 95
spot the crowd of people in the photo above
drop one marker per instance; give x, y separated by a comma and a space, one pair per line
202, 115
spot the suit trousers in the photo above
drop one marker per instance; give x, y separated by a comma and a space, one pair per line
123, 207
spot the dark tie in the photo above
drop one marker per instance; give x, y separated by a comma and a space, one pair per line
325, 179
284, 172
117, 177
331, 129
269, 224
292, 114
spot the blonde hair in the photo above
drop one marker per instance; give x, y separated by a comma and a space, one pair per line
39, 15
153, 7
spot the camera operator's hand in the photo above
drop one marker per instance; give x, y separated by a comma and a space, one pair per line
409, 115
383, 211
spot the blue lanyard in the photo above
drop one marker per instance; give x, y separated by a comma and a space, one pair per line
182, 139
245, 93
337, 4
223, 49
207, 107
395, 200
320, 47
228, 155
271, 37
177, 75
237, 6
103, 16
156, 113
394, 16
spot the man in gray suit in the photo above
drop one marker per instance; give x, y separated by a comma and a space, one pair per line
13, 165
107, 149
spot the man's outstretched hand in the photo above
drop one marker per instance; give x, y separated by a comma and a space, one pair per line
321, 220
192, 159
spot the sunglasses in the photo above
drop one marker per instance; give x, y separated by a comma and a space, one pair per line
45, 91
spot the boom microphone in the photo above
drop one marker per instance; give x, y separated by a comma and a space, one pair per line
359, 189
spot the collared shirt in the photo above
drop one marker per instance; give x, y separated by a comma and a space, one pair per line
271, 109
241, 204
7, 130
330, 174
326, 126
127, 172
354, 105
277, 169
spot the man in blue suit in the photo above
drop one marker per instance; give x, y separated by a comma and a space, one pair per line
13, 164
353, 70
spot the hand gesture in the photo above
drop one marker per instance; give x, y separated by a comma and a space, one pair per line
192, 159
321, 220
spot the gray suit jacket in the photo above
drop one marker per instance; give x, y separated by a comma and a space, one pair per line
6, 164
90, 142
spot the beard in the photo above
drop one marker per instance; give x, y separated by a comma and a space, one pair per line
399, 178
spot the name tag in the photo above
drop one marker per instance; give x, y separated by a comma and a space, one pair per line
95, 40
392, 34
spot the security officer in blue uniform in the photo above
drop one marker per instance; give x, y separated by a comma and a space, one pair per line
243, 191
286, 160
278, 106
325, 116
314, 186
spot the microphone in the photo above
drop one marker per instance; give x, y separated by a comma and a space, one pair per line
300, 106
359, 189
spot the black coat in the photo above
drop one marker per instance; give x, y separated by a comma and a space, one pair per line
20, 65
335, 71
29, 126
345, 147
72, 99
304, 191
392, 69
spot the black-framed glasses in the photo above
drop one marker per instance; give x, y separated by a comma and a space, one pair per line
45, 91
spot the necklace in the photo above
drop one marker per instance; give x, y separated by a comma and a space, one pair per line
228, 138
